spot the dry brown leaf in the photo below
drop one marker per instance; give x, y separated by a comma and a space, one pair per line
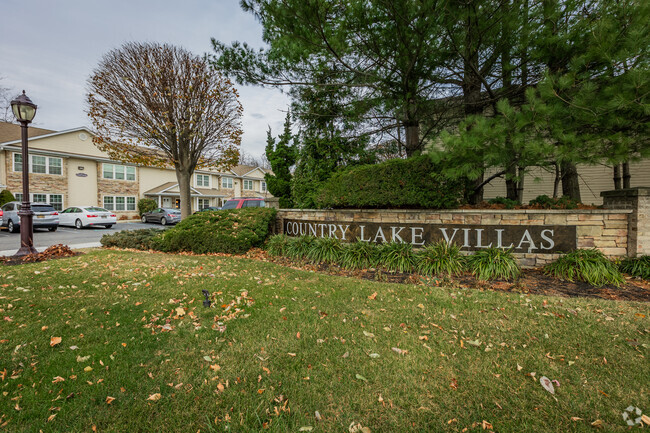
373, 296
58, 379
598, 423
155, 397
55, 340
51, 417
180, 311
109, 399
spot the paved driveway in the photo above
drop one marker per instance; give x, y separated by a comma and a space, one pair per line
85, 238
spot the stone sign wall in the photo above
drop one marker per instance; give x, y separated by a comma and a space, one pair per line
535, 236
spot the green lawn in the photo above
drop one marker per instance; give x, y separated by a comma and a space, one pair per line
308, 342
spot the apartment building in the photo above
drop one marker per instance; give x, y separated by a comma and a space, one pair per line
67, 169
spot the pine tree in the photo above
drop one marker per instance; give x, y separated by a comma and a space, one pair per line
282, 156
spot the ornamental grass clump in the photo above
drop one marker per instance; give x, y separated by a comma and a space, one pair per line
397, 257
440, 259
277, 245
298, 248
637, 267
325, 250
588, 265
494, 264
359, 255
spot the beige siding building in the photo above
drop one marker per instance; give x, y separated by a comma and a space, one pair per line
67, 169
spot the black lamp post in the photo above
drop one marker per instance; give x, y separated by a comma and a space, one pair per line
24, 110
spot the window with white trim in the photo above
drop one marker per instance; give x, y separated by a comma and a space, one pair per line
226, 182
119, 203
118, 172
56, 200
40, 164
203, 180
262, 186
248, 185
203, 203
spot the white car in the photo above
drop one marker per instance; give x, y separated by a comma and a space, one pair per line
84, 216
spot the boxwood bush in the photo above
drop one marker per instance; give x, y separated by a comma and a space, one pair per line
144, 239
232, 231
414, 183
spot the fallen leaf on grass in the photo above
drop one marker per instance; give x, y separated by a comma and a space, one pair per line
373, 296
109, 399
88, 369
180, 311
576, 418
645, 419
374, 355
598, 423
215, 367
306, 428
55, 340
369, 334
58, 379
83, 358
358, 376
155, 397
207, 358
51, 417
44, 328
547, 384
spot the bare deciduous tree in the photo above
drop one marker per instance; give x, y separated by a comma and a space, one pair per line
5, 104
254, 161
160, 105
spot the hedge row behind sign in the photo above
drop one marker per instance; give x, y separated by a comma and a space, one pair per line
519, 238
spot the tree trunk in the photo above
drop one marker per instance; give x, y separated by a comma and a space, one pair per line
626, 175
412, 145
617, 176
184, 177
511, 182
570, 181
556, 182
520, 186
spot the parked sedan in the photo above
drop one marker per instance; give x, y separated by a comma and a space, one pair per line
241, 202
44, 216
86, 216
162, 215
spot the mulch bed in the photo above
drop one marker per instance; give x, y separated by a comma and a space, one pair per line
532, 281
54, 252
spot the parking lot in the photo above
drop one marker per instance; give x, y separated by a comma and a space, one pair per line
85, 238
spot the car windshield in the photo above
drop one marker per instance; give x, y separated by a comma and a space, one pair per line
96, 209
42, 208
230, 204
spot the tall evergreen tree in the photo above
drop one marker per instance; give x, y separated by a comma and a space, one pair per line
282, 156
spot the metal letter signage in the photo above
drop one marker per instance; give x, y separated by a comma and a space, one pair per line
519, 238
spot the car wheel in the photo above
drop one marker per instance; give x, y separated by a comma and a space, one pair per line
52, 229
78, 224
108, 226
11, 227
144, 219
163, 221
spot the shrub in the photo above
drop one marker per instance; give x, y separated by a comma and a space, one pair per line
298, 248
494, 263
397, 257
232, 231
508, 203
359, 255
637, 267
546, 202
440, 259
6, 196
399, 183
590, 266
326, 250
146, 205
143, 239
277, 245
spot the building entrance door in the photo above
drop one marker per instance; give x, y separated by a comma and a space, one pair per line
167, 202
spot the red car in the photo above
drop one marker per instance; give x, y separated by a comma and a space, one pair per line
240, 202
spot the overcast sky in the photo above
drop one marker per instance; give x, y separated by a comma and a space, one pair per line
49, 48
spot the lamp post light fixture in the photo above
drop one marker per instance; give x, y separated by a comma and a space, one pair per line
24, 110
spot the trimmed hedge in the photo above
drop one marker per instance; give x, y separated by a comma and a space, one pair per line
146, 205
6, 196
232, 231
414, 183
144, 239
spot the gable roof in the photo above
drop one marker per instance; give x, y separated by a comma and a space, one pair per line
11, 132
